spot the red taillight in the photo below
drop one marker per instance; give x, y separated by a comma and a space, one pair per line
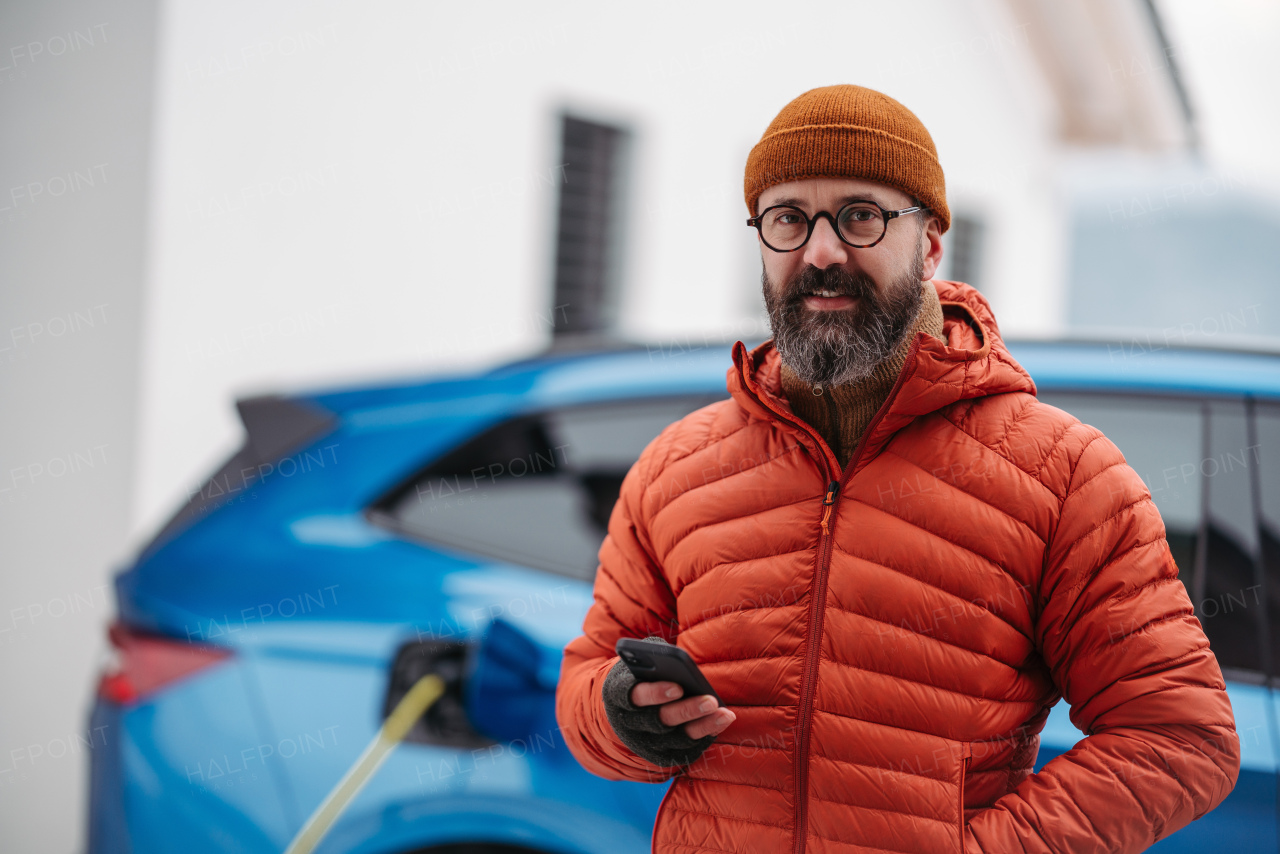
147, 663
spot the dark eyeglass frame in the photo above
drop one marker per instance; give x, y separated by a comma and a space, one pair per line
812, 221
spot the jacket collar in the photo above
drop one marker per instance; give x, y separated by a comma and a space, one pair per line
972, 362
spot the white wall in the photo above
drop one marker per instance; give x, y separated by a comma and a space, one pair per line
360, 190
75, 101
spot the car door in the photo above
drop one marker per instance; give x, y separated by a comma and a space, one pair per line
1199, 460
1229, 591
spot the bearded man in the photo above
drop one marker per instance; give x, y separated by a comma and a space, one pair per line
893, 561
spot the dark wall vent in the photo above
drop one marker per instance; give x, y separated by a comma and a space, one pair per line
588, 257
966, 235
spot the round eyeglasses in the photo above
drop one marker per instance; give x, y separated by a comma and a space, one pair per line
861, 224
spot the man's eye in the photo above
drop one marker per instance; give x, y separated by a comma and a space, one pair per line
789, 219
860, 215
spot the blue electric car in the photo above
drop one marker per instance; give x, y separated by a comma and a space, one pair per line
363, 538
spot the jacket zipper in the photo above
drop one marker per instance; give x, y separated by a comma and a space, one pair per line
817, 603
816, 612
964, 770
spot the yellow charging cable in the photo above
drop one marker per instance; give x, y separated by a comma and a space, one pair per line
412, 706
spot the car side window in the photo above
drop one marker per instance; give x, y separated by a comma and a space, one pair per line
535, 490
1161, 440
1228, 595
1196, 460
1267, 439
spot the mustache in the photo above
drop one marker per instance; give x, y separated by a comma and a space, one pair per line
834, 279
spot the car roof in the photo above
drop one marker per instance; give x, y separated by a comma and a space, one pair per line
1144, 367
558, 379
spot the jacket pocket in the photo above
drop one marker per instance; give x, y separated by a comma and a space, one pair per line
876, 786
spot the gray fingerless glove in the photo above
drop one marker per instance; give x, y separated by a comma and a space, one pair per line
640, 728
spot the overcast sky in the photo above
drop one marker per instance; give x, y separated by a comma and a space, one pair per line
1227, 53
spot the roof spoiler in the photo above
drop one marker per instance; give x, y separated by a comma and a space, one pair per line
275, 427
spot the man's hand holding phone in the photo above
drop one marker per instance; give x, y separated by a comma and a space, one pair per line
660, 705
702, 715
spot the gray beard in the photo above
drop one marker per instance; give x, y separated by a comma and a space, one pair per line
838, 347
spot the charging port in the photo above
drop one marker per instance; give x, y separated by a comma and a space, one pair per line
445, 723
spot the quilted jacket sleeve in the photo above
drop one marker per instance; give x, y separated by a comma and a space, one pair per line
632, 599
1119, 635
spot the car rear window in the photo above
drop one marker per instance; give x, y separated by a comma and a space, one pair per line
536, 490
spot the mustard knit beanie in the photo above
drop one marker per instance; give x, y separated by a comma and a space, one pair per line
848, 132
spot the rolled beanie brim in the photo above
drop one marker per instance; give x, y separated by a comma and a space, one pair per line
848, 150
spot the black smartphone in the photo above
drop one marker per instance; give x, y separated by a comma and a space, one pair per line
655, 662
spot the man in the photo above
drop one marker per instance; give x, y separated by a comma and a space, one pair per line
891, 560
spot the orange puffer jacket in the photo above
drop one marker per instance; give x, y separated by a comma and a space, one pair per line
892, 636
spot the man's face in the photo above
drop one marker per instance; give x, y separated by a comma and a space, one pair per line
837, 312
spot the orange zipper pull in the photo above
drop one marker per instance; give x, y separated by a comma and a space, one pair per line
832, 489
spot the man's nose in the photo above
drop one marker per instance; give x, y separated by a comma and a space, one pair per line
825, 246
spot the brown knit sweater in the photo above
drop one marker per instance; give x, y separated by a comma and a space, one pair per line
841, 413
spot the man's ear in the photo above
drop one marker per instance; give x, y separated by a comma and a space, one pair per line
931, 247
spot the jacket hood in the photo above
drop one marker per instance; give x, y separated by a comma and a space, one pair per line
972, 362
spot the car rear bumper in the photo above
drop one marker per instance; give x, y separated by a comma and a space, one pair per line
182, 768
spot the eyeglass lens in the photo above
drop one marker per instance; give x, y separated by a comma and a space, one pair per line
786, 228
